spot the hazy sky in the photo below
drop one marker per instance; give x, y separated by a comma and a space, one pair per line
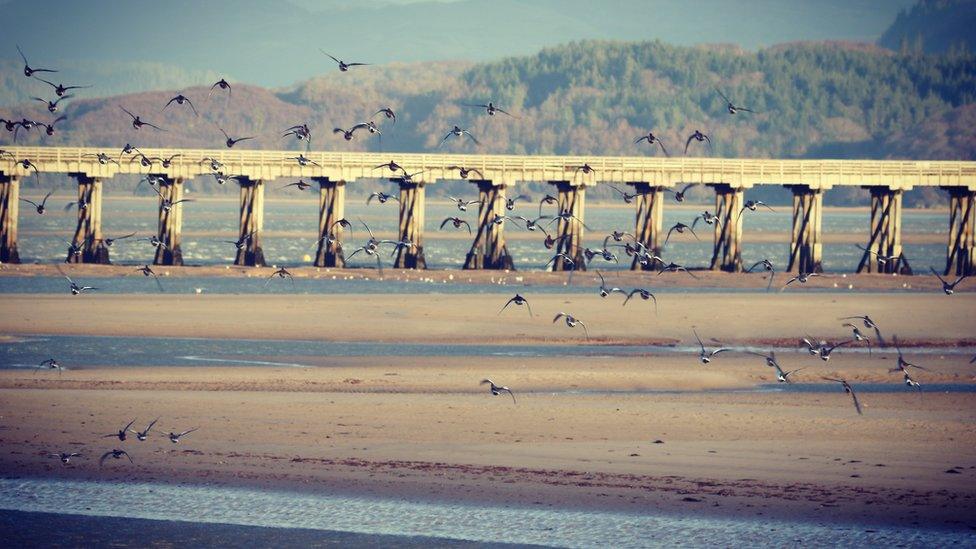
275, 43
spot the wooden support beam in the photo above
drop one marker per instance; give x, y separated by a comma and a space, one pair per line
251, 223
332, 208
9, 208
570, 205
412, 203
88, 231
488, 251
806, 242
884, 250
650, 222
961, 251
170, 225
727, 253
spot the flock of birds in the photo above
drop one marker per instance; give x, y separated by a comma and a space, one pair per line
123, 435
616, 240
303, 133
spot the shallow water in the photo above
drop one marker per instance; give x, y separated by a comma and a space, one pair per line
523, 525
90, 351
122, 215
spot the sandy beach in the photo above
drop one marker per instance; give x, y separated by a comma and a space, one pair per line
657, 432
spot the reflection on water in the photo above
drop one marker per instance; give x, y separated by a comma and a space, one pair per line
208, 217
559, 527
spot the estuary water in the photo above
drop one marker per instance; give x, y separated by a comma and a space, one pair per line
291, 226
449, 521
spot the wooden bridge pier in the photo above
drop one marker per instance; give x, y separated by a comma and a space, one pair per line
332, 208
88, 231
412, 205
726, 252
806, 242
170, 226
9, 207
571, 199
885, 238
252, 223
488, 251
650, 222
961, 253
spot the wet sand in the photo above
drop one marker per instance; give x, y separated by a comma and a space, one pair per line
477, 318
422, 428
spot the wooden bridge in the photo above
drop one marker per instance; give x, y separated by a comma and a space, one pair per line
648, 177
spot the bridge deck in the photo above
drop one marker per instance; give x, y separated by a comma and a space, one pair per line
510, 169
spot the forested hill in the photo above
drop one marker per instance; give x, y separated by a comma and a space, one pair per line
933, 26
830, 100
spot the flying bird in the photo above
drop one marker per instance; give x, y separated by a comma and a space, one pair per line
147, 271
463, 204
116, 454
652, 139
223, 85
28, 70
465, 172
946, 286
572, 322
381, 197
138, 122
51, 364
230, 142
76, 289
679, 196
181, 100
510, 202
49, 128
280, 272
388, 112
123, 433
60, 89
497, 389
65, 457
143, 435
349, 134
704, 355
102, 158
490, 108
458, 132
857, 335
457, 222
753, 205
644, 294
680, 229
606, 290
175, 437
869, 323
802, 278
518, 300
52, 106
699, 137
302, 185
343, 66
733, 109
41, 208
628, 198
849, 390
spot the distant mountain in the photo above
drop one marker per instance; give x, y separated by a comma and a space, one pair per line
933, 26
831, 100
276, 43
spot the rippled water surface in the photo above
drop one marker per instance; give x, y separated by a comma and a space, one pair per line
567, 528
